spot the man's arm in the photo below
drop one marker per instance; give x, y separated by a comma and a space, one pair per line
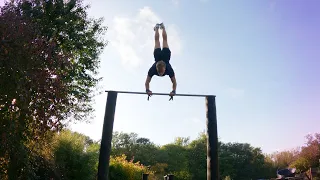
151, 72
174, 83
147, 83
173, 78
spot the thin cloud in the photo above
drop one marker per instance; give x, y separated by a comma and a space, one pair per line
133, 37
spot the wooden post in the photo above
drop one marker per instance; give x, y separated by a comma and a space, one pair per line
212, 139
105, 147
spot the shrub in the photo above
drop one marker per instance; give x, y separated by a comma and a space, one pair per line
121, 169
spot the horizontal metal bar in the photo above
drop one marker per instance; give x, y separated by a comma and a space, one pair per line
162, 94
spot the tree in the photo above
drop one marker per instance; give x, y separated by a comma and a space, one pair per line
175, 156
241, 161
269, 168
124, 140
285, 158
66, 23
311, 152
301, 164
123, 143
197, 157
22, 83
143, 141
48, 62
182, 141
75, 158
135, 148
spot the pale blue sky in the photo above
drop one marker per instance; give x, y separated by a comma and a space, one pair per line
260, 58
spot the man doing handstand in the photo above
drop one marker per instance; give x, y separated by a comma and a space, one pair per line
161, 66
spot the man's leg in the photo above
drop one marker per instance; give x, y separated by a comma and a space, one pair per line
157, 48
164, 36
156, 37
166, 53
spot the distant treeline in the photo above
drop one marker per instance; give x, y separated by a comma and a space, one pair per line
70, 155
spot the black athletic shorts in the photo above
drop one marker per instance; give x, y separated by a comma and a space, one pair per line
164, 54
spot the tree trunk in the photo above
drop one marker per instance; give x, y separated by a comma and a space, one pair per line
13, 169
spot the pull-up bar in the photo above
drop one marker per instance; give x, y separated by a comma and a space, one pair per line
212, 134
162, 94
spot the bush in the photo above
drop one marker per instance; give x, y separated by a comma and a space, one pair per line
182, 175
121, 169
74, 157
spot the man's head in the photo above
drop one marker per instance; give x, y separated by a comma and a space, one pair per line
161, 67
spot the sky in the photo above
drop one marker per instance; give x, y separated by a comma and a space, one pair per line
260, 59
